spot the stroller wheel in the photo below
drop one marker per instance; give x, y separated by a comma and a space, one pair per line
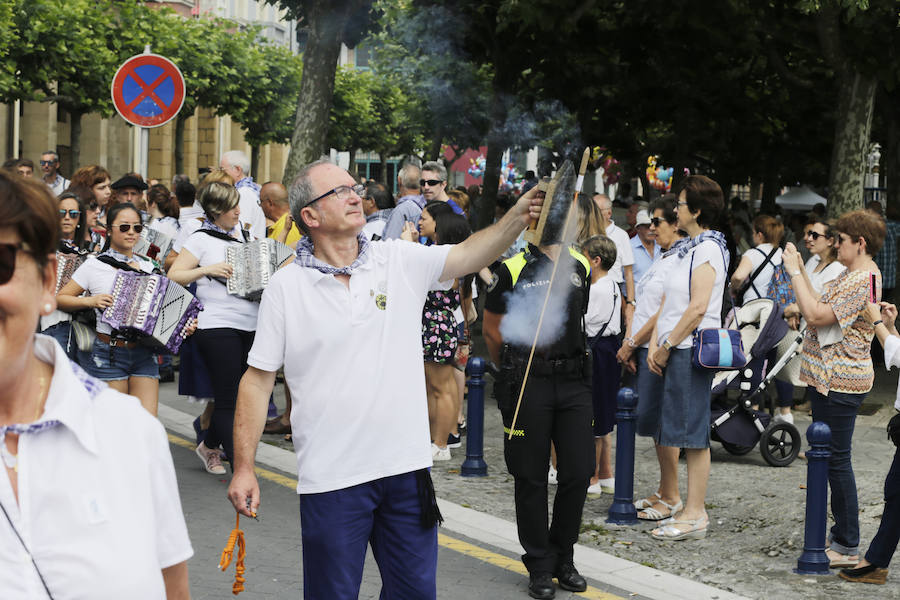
736, 449
780, 444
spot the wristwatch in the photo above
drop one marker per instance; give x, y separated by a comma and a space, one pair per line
667, 345
631, 302
630, 341
795, 273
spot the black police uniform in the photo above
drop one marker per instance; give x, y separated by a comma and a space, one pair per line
557, 401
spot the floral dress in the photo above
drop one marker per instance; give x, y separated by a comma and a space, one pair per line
439, 329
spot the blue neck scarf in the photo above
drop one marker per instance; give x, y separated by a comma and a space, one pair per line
248, 182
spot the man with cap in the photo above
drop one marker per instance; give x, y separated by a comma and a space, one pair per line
129, 188
644, 245
345, 297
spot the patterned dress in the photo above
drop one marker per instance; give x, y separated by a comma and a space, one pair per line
845, 366
439, 329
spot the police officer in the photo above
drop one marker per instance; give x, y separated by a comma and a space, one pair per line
556, 405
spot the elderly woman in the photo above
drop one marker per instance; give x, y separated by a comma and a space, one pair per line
666, 501
836, 362
92, 520
692, 299
227, 323
123, 363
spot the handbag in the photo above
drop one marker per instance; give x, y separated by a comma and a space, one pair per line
717, 348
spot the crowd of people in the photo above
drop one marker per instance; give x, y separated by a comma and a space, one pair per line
398, 281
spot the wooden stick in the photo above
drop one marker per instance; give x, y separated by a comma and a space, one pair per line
578, 185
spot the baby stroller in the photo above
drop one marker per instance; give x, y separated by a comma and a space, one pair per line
736, 424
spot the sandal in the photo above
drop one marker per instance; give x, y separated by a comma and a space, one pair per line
646, 503
840, 561
654, 514
696, 531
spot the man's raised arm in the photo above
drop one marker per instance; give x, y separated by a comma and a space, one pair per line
483, 247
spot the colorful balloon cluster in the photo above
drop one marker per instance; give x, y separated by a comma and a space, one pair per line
603, 158
660, 178
476, 167
509, 176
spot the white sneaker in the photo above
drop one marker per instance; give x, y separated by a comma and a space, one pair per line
608, 485
783, 418
211, 461
438, 453
595, 489
551, 476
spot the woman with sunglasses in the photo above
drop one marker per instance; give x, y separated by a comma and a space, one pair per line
94, 521
123, 364
666, 501
836, 361
227, 323
71, 226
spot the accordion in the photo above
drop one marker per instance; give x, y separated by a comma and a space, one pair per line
155, 309
66, 265
153, 244
254, 263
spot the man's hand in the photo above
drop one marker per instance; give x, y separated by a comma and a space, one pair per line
243, 491
529, 205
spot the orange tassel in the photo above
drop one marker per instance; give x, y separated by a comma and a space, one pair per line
236, 537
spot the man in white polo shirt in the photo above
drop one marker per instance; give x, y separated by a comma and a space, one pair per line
344, 298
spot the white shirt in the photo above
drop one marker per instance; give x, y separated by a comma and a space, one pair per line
818, 280
190, 218
649, 291
59, 185
97, 277
353, 362
677, 291
757, 256
100, 523
372, 228
220, 309
604, 305
251, 212
892, 359
624, 252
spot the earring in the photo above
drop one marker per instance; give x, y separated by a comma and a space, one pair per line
48, 308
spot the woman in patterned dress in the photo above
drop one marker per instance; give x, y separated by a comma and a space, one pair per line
836, 363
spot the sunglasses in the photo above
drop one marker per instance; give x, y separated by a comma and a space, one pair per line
124, 227
73, 213
45, 163
8, 254
430, 182
814, 235
93, 206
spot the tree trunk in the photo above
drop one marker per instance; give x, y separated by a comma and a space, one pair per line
180, 122
856, 103
382, 156
890, 173
325, 25
254, 161
352, 165
770, 187
434, 150
496, 145
75, 138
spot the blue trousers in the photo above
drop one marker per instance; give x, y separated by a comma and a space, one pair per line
884, 544
336, 526
838, 411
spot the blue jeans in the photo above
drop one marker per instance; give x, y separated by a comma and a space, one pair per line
60, 332
885, 541
336, 527
838, 411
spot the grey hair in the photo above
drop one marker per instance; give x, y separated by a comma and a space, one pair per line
409, 176
603, 198
436, 167
218, 198
53, 152
238, 159
300, 194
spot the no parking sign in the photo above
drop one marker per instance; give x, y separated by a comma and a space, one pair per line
148, 90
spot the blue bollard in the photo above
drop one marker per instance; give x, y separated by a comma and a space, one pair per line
474, 465
814, 561
622, 511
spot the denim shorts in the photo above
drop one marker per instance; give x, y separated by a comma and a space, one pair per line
650, 391
121, 363
685, 406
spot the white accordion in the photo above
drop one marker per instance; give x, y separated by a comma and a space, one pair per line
254, 263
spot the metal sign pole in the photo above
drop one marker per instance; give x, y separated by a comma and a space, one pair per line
145, 152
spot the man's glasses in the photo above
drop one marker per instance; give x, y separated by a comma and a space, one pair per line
45, 163
342, 192
8, 254
814, 235
73, 213
430, 182
124, 227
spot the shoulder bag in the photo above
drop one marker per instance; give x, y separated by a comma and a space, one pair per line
717, 348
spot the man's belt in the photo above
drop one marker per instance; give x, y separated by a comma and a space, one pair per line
546, 367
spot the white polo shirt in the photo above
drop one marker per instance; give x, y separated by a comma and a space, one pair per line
98, 502
97, 277
353, 362
624, 252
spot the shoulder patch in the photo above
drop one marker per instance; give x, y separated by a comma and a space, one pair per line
575, 279
495, 279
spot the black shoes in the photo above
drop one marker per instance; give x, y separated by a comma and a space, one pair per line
540, 586
866, 574
569, 578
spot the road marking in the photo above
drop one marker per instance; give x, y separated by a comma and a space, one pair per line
498, 560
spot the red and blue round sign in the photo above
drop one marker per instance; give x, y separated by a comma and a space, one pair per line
148, 90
